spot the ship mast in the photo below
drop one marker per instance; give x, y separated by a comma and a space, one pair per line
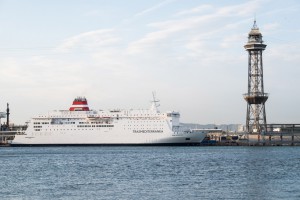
155, 102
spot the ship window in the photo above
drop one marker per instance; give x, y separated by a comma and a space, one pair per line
187, 138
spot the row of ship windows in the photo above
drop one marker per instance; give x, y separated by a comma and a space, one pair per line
148, 118
105, 125
126, 115
139, 125
134, 115
69, 123
65, 129
95, 126
40, 122
79, 126
94, 122
92, 129
101, 122
144, 129
68, 119
144, 122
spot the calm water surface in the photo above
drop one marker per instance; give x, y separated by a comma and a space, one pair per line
150, 173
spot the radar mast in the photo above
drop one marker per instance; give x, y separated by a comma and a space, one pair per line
155, 102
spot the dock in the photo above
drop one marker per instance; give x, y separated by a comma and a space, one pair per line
6, 136
276, 135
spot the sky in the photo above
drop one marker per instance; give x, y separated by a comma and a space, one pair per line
116, 53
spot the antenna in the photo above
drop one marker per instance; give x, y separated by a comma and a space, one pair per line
155, 101
254, 24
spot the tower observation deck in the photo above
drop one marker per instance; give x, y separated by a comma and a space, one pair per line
255, 97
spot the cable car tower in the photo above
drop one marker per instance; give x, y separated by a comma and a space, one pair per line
256, 97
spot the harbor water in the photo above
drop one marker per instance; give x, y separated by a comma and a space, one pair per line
125, 172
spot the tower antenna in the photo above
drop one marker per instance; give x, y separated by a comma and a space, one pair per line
254, 23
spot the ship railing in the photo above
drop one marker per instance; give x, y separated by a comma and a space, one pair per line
181, 129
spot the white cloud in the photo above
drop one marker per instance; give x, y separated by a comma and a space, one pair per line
286, 53
196, 10
167, 30
154, 8
271, 27
231, 40
239, 10
91, 39
93, 13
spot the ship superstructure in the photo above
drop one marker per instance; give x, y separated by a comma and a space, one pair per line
81, 126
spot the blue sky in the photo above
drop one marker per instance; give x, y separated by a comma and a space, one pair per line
115, 53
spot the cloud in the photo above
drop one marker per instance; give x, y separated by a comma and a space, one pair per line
228, 41
271, 27
154, 8
91, 39
196, 10
168, 29
93, 13
239, 10
285, 53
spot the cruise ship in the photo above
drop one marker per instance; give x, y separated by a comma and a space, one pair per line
82, 126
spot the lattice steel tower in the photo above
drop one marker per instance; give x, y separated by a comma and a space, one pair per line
256, 98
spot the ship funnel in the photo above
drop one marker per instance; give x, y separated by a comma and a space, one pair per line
79, 104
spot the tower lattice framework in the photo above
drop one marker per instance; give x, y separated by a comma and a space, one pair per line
256, 98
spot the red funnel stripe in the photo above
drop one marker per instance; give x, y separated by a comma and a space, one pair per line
79, 102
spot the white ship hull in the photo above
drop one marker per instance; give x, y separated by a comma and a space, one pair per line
91, 138
114, 127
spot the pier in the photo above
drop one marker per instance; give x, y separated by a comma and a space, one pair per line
276, 135
280, 135
8, 135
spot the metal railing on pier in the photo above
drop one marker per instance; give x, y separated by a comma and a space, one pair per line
277, 135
